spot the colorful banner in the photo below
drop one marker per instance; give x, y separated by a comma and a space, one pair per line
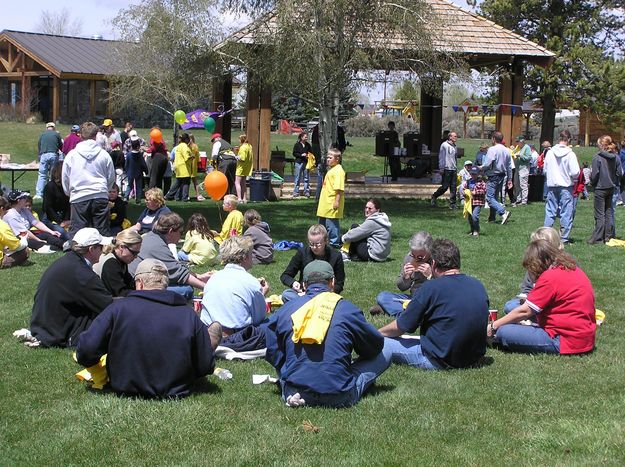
195, 119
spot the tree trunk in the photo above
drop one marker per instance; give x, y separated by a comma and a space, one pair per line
549, 118
328, 121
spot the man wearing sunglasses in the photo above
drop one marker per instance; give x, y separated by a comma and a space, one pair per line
414, 272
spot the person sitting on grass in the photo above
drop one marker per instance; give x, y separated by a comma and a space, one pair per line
549, 234
56, 209
117, 210
314, 364
199, 246
233, 225
562, 301
167, 230
317, 248
161, 360
70, 295
154, 208
414, 272
235, 298
451, 313
371, 240
114, 274
21, 219
258, 231
13, 251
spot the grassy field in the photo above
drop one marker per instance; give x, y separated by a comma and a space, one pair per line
516, 410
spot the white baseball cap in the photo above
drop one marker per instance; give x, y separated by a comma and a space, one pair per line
89, 236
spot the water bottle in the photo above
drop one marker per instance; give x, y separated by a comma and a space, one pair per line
222, 373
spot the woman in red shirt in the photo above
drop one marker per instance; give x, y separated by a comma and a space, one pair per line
562, 301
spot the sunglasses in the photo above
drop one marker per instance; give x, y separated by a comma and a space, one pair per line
134, 253
316, 245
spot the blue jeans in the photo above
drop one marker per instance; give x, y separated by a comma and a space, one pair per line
56, 227
562, 198
300, 170
365, 373
334, 230
474, 219
526, 339
46, 161
182, 256
185, 290
406, 352
391, 303
494, 185
137, 184
615, 198
289, 294
511, 305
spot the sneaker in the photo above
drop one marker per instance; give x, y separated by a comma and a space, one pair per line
45, 250
295, 400
200, 198
295, 195
505, 217
453, 207
345, 256
376, 310
618, 203
67, 246
476, 234
36, 197
433, 201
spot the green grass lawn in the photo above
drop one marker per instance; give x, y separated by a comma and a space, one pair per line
516, 410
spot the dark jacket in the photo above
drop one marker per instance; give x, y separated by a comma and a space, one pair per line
606, 170
301, 150
156, 345
323, 368
49, 141
68, 298
304, 256
118, 212
55, 203
263, 245
135, 165
116, 278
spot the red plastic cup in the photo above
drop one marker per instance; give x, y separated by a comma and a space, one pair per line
492, 315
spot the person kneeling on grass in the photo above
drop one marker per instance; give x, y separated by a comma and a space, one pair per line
310, 341
159, 360
562, 301
451, 312
371, 240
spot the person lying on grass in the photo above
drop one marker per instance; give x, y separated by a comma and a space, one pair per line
562, 301
161, 359
310, 342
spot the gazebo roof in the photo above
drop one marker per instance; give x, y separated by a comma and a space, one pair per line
63, 55
481, 41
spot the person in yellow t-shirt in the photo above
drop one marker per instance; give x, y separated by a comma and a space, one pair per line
13, 252
199, 246
244, 168
233, 225
332, 199
195, 161
183, 167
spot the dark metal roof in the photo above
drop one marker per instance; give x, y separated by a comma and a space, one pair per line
66, 54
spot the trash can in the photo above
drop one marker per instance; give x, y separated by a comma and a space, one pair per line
260, 186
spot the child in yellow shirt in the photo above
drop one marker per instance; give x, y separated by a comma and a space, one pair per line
199, 247
233, 225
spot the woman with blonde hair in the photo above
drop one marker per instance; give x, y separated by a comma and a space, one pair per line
154, 208
562, 301
605, 177
548, 234
115, 276
244, 168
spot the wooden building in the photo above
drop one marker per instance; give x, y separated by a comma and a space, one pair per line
63, 78
591, 127
482, 43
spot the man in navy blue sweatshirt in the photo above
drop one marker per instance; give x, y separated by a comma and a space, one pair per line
156, 345
314, 362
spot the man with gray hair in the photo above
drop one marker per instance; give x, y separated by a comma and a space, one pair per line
160, 360
414, 272
235, 298
70, 295
88, 175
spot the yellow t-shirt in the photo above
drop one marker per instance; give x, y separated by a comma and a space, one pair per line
8, 241
201, 250
334, 181
195, 158
183, 161
233, 221
244, 164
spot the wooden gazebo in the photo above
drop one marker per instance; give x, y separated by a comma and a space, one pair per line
480, 42
62, 77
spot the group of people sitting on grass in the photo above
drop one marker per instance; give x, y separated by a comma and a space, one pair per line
311, 338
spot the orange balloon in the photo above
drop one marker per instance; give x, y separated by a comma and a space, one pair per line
216, 185
156, 135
